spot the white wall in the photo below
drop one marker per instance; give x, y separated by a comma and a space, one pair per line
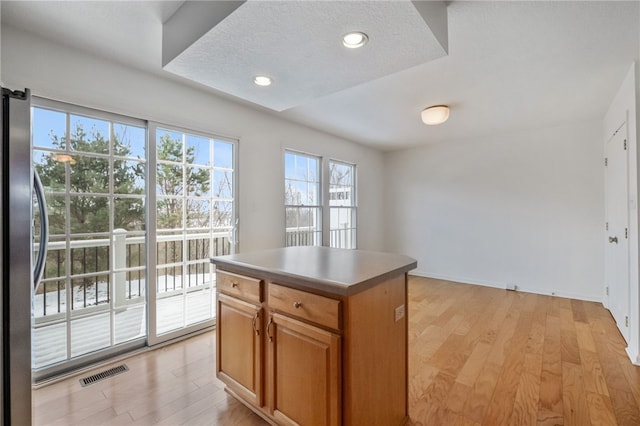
624, 107
60, 73
523, 208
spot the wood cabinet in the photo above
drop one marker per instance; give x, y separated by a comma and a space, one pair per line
300, 353
304, 373
239, 360
307, 306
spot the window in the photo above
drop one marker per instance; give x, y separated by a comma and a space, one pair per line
303, 184
303, 212
342, 205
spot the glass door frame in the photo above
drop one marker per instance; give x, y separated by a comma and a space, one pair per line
153, 338
114, 348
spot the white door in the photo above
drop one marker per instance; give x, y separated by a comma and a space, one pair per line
617, 229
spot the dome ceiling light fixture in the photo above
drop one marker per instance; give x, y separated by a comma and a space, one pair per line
436, 114
354, 39
262, 80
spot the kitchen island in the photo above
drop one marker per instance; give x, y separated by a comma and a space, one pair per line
314, 335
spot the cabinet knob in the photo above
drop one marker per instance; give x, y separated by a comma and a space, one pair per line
234, 284
297, 305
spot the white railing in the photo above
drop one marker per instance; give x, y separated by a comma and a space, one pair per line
94, 290
303, 236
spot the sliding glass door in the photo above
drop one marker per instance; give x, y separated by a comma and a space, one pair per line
193, 210
136, 211
90, 301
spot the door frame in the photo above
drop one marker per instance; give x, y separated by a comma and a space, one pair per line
114, 349
153, 338
623, 321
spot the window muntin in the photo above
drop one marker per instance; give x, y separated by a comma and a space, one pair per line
92, 166
303, 209
303, 184
342, 205
101, 161
194, 201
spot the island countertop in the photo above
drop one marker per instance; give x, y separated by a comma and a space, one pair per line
334, 271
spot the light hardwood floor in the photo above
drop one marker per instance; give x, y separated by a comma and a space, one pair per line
477, 356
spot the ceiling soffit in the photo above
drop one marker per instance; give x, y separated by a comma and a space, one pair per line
298, 44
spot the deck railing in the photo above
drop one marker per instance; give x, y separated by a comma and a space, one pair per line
342, 238
303, 237
94, 283
338, 238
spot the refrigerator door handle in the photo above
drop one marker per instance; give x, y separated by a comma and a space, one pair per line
44, 230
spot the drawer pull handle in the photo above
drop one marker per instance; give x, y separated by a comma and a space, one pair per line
297, 305
234, 284
253, 322
269, 329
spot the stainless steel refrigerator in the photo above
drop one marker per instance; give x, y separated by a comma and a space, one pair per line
16, 255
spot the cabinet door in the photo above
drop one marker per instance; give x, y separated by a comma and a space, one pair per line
239, 348
304, 373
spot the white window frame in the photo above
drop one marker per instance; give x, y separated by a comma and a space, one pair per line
353, 207
323, 197
318, 207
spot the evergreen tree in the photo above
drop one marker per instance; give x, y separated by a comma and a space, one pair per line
90, 175
170, 183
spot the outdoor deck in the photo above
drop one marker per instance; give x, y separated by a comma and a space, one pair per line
52, 340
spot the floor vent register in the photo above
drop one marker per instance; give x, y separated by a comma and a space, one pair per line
104, 375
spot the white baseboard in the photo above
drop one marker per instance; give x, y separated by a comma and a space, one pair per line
634, 357
534, 290
460, 280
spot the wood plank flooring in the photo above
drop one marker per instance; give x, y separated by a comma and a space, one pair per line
477, 356
482, 356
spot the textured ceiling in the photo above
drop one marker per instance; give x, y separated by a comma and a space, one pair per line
510, 65
299, 45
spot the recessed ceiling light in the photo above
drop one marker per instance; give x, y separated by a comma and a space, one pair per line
262, 80
354, 40
437, 114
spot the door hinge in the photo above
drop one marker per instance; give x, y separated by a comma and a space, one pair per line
625, 144
606, 162
606, 290
606, 226
626, 321
626, 233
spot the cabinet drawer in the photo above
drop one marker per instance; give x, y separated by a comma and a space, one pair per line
311, 307
238, 285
